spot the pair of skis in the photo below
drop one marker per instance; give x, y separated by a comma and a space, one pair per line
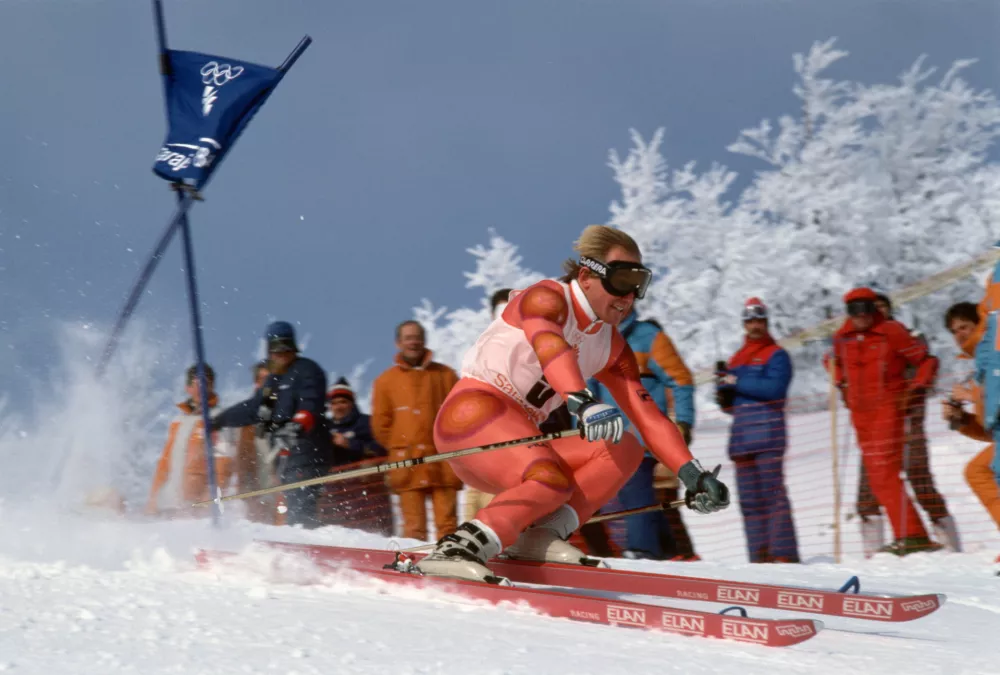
397, 568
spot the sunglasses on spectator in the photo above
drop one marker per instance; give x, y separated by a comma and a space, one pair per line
754, 312
860, 307
619, 278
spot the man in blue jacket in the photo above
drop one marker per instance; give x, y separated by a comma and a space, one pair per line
290, 407
661, 368
753, 389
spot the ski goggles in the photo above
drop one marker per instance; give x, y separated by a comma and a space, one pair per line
860, 307
620, 278
754, 312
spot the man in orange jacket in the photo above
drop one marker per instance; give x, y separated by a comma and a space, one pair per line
182, 472
405, 401
870, 358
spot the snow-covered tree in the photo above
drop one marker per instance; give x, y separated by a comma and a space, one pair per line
865, 183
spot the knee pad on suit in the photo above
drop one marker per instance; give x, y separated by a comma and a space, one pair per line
550, 474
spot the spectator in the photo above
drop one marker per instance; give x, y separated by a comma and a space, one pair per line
363, 502
254, 465
870, 356
916, 464
182, 473
753, 387
290, 409
661, 368
963, 322
350, 429
406, 398
474, 499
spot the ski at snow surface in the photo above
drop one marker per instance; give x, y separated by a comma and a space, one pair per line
563, 602
574, 606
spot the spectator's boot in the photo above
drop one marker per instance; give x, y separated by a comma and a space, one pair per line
946, 532
463, 554
545, 541
872, 535
908, 545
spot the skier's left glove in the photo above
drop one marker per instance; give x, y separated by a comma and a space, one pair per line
704, 492
598, 421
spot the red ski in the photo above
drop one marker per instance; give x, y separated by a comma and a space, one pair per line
831, 603
769, 632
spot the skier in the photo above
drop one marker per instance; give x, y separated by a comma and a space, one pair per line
551, 337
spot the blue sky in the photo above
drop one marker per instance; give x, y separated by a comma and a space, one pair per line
404, 133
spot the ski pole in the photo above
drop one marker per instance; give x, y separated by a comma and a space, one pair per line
392, 466
604, 517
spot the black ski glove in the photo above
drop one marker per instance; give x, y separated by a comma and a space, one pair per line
704, 492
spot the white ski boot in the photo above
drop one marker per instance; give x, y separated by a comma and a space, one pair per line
463, 555
946, 532
872, 535
545, 541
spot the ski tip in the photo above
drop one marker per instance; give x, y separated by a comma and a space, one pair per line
941, 598
818, 625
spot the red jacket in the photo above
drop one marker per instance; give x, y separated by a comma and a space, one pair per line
872, 363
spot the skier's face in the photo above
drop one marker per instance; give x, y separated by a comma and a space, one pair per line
609, 308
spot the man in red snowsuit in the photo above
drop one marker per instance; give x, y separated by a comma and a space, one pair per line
870, 356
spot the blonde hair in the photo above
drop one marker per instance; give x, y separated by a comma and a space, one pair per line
595, 241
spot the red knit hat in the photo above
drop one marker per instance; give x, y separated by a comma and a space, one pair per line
754, 308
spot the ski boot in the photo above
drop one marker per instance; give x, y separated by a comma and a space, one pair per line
545, 541
908, 545
463, 555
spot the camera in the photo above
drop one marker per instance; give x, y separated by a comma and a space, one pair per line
723, 397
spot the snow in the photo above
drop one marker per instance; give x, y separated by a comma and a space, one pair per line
85, 593
90, 591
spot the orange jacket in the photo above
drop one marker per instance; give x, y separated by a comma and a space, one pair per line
187, 481
405, 401
872, 363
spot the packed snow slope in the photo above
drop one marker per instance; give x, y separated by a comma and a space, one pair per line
94, 593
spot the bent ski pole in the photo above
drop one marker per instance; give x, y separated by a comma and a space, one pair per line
392, 466
604, 517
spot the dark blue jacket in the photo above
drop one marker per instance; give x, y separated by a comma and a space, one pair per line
763, 375
356, 427
302, 387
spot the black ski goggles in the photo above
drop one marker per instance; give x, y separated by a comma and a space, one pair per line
860, 307
620, 278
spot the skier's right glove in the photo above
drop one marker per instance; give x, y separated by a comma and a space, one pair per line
704, 492
598, 421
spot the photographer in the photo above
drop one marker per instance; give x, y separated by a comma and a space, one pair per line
752, 387
289, 408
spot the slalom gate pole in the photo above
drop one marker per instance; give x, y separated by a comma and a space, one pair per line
199, 350
392, 466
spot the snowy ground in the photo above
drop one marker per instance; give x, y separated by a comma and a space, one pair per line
82, 594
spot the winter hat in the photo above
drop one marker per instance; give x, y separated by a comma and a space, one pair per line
342, 389
860, 301
280, 337
754, 308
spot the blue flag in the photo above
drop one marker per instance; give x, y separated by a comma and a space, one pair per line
209, 101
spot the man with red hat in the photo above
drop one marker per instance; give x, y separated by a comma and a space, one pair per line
753, 388
870, 359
